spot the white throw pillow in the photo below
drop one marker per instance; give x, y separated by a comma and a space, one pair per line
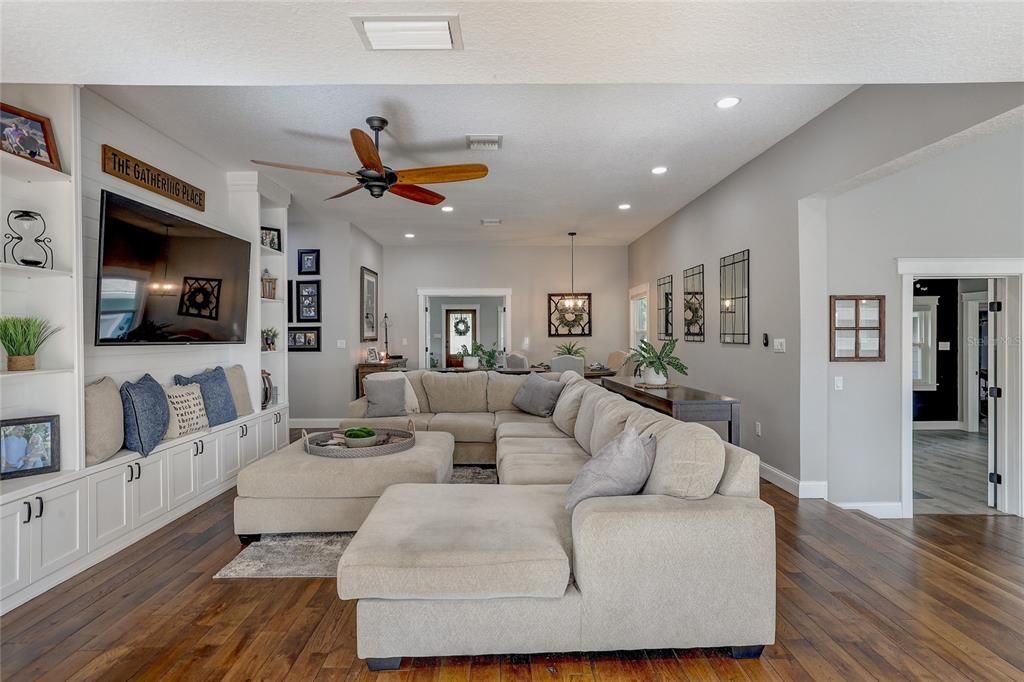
187, 411
412, 403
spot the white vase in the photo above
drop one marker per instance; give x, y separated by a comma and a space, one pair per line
653, 378
471, 362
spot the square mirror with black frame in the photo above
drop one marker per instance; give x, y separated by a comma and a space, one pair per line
309, 261
307, 301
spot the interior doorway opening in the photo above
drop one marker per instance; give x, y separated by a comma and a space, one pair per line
451, 319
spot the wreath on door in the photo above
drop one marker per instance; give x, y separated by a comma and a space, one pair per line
461, 327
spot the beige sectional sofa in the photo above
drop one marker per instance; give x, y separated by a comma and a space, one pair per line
469, 405
447, 570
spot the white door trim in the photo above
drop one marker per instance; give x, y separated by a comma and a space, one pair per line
424, 293
909, 269
971, 306
638, 292
445, 307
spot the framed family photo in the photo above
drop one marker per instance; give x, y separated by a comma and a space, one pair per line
270, 237
307, 307
309, 261
29, 136
304, 339
367, 304
29, 446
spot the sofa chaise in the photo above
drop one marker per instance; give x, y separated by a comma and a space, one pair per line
449, 570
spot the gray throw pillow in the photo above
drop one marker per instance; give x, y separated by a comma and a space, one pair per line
538, 396
619, 468
385, 398
104, 421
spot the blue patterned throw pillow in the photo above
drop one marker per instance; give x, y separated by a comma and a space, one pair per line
220, 406
146, 414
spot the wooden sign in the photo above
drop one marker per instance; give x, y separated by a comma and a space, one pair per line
140, 173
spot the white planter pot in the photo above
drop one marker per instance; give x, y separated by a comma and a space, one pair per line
651, 376
471, 362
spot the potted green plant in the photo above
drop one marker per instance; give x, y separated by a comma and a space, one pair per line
270, 335
572, 348
22, 337
478, 355
652, 364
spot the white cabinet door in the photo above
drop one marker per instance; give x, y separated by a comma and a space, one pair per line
181, 473
250, 443
229, 448
149, 495
15, 535
268, 434
282, 429
110, 504
60, 529
207, 464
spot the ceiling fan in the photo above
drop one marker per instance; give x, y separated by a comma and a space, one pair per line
377, 178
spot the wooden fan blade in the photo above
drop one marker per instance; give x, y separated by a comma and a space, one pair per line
366, 151
420, 194
305, 169
341, 194
434, 174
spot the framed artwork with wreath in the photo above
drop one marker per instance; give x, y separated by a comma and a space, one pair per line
693, 304
200, 297
569, 315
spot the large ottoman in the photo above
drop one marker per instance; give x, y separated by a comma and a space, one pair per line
294, 492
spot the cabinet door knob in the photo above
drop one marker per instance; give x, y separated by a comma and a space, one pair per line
131, 473
40, 514
29, 516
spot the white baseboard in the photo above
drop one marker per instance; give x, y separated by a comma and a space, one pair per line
880, 510
315, 423
793, 486
940, 426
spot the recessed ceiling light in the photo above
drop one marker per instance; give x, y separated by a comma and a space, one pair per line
659, 170
409, 235
447, 209
624, 207
727, 102
409, 33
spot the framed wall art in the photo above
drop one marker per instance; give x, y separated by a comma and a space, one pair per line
270, 237
693, 304
304, 339
734, 293
29, 446
29, 136
367, 304
307, 301
857, 328
309, 261
200, 297
569, 315
665, 307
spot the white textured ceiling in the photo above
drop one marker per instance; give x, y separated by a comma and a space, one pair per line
571, 153
276, 43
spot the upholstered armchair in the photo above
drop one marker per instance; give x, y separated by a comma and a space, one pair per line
565, 363
517, 361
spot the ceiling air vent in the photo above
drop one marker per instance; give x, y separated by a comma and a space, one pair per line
484, 143
409, 32
490, 222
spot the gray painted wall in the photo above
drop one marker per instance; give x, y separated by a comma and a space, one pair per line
322, 384
756, 208
965, 202
531, 272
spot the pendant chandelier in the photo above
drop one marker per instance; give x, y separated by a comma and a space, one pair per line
572, 302
164, 287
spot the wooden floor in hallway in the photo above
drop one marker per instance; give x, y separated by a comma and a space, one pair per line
936, 597
951, 473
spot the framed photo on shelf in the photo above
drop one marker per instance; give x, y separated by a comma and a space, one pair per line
372, 355
309, 261
307, 308
29, 446
304, 339
271, 238
367, 304
29, 136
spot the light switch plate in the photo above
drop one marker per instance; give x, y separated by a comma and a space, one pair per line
341, 343
838, 383
779, 345
944, 345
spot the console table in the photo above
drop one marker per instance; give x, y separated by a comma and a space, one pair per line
364, 369
683, 403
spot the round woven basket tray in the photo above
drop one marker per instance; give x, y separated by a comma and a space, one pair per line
390, 441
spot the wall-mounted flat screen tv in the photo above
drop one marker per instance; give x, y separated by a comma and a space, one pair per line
167, 280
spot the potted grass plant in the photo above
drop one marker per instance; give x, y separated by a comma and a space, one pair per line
652, 364
572, 348
22, 337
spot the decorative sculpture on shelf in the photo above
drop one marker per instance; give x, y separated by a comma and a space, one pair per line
17, 251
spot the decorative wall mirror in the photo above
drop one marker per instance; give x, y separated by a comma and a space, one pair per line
857, 328
734, 294
693, 304
665, 308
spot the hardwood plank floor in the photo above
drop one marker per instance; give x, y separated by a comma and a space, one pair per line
951, 472
935, 598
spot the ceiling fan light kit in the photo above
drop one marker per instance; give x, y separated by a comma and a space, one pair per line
376, 178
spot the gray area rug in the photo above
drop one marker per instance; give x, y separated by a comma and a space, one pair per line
312, 555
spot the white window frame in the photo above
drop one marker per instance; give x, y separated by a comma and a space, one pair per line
641, 291
928, 346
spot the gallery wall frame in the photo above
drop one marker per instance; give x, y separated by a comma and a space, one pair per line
693, 304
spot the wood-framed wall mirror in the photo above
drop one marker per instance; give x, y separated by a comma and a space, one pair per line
857, 328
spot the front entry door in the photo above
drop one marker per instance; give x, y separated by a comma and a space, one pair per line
459, 331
